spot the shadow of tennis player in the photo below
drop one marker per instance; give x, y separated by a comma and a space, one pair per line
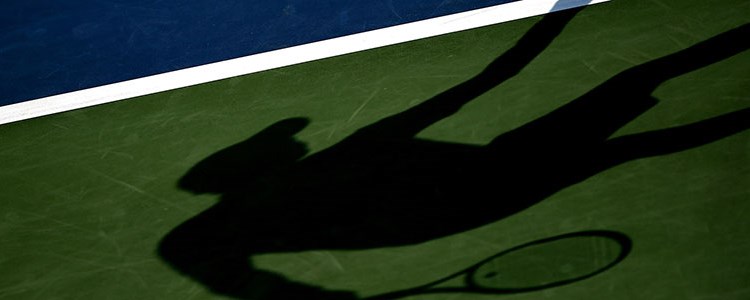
381, 186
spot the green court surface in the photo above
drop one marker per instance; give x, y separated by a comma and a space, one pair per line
87, 197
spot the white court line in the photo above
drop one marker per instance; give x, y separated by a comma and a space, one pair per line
284, 57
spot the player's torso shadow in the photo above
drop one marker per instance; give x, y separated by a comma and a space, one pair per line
384, 187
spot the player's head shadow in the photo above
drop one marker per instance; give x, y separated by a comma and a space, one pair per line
383, 187
265, 153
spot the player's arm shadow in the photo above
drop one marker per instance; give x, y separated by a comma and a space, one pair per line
516, 170
578, 133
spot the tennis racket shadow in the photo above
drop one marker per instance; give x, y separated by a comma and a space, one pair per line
533, 266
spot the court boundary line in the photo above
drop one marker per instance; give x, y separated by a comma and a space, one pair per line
284, 57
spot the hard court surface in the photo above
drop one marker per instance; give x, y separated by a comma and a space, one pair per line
154, 198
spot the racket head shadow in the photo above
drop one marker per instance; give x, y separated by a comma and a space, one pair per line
549, 262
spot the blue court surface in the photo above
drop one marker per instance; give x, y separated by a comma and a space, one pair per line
69, 56
53, 47
389, 149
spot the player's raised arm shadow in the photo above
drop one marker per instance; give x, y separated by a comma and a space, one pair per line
408, 123
582, 128
645, 78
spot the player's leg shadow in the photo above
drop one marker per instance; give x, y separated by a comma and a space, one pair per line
383, 187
